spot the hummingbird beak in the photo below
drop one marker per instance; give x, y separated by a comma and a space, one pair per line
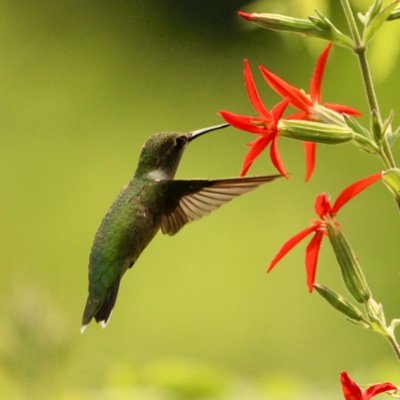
196, 134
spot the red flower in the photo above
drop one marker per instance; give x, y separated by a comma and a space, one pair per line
265, 125
324, 210
307, 104
352, 391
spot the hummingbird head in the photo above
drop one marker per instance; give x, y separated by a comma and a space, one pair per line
162, 152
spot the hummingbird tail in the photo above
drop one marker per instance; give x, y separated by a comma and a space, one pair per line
103, 314
100, 313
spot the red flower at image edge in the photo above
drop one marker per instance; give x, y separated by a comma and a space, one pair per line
265, 125
323, 209
306, 103
352, 391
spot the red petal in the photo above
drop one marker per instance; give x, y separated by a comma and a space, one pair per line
379, 388
309, 149
244, 15
343, 109
322, 206
353, 190
312, 252
297, 98
287, 246
279, 109
256, 148
316, 79
253, 93
276, 159
244, 122
350, 389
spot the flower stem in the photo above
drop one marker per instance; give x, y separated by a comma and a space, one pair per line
360, 50
377, 322
395, 346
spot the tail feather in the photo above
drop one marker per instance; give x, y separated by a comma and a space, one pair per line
104, 312
101, 313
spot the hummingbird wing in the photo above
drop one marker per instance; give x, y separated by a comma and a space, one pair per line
193, 199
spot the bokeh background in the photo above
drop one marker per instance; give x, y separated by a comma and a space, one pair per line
83, 84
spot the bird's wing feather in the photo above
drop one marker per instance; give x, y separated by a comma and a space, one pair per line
193, 199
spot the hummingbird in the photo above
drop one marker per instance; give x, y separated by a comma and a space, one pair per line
152, 199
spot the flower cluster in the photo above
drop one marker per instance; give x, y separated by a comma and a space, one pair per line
316, 121
325, 211
266, 123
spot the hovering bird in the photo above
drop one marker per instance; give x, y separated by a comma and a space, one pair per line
153, 199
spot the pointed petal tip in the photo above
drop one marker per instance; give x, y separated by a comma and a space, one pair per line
244, 15
353, 190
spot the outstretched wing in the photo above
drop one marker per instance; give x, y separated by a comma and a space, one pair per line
193, 199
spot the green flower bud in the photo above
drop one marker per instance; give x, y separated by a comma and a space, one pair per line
318, 132
277, 22
318, 26
353, 276
339, 302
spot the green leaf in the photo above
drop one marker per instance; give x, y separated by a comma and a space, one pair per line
395, 14
376, 127
375, 23
356, 126
372, 12
391, 178
329, 31
392, 136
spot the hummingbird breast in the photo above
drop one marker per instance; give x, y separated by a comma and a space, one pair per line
126, 229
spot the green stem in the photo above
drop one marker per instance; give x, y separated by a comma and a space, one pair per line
377, 322
388, 152
367, 80
351, 22
395, 346
361, 52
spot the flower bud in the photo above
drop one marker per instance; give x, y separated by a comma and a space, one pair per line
277, 22
318, 132
351, 271
339, 302
318, 26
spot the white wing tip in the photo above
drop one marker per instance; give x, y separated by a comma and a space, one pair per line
83, 329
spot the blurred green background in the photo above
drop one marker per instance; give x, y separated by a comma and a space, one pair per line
83, 84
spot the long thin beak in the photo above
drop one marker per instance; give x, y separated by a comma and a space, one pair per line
196, 134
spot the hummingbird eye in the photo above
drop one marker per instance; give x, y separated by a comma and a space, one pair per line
180, 141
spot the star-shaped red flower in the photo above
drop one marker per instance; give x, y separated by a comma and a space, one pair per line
324, 210
265, 125
307, 104
352, 391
